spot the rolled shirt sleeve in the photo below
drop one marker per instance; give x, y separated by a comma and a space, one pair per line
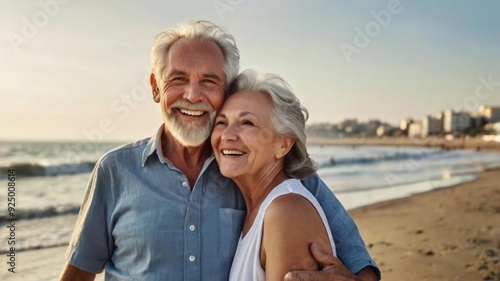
91, 244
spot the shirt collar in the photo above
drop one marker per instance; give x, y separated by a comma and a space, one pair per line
154, 144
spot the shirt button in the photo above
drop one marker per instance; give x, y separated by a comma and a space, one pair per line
192, 258
192, 227
184, 183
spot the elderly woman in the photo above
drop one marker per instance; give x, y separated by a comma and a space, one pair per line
259, 142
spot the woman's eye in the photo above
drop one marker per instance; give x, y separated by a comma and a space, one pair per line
246, 122
220, 122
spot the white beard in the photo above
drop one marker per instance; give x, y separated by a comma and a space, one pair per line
186, 133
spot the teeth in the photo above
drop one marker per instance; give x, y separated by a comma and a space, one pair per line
232, 152
192, 112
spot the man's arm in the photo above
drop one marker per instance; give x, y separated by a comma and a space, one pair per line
333, 270
71, 273
349, 245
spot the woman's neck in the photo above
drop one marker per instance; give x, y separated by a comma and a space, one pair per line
255, 188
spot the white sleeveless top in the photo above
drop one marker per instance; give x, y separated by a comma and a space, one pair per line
246, 264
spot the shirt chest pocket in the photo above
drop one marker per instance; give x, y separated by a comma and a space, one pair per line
230, 224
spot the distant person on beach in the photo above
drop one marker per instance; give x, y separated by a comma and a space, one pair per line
332, 161
259, 142
159, 209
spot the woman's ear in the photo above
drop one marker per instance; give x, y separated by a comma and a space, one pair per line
285, 144
154, 87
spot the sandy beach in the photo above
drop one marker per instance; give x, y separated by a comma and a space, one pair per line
446, 234
39, 265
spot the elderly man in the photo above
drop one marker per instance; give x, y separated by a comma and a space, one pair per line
158, 209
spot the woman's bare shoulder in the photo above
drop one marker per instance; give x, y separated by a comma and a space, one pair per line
291, 224
289, 206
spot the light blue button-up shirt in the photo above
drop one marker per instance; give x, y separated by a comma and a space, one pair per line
140, 220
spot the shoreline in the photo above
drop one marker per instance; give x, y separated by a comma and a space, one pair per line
474, 144
450, 233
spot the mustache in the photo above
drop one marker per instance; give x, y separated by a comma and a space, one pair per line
193, 106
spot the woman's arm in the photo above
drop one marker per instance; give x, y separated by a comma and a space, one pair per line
291, 224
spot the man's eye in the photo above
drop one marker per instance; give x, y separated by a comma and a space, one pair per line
178, 79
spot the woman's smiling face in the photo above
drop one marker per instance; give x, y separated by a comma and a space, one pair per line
243, 138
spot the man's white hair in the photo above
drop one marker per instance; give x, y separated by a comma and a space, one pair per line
198, 30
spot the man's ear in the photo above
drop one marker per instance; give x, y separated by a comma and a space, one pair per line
154, 87
285, 144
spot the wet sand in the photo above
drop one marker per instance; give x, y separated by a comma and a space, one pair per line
39, 265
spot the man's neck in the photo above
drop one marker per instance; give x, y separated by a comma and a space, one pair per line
189, 160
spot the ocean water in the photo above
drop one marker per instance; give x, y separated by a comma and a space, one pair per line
51, 178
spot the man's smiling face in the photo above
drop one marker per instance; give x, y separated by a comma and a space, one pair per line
192, 90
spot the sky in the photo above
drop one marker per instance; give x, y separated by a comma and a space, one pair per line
77, 70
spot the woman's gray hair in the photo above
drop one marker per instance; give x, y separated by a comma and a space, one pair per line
288, 117
198, 30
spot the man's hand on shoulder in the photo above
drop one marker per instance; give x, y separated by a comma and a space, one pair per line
333, 270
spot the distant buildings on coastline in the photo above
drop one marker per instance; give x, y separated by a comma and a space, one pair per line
447, 123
